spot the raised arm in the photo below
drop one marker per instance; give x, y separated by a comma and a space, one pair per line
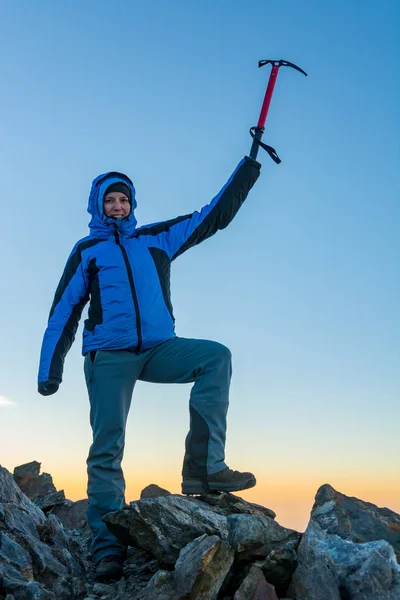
178, 235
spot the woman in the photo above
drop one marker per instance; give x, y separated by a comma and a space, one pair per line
129, 335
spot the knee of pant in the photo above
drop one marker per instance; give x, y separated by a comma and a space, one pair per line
223, 353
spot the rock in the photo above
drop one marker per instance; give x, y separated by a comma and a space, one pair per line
331, 568
160, 587
14, 586
12, 496
253, 536
64, 547
72, 514
13, 554
51, 500
31, 483
278, 568
153, 491
165, 525
255, 587
40, 489
37, 559
341, 551
229, 504
199, 572
213, 546
355, 520
100, 589
139, 567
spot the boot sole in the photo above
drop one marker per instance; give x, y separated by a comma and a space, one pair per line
198, 487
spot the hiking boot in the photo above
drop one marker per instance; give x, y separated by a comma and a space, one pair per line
223, 481
109, 568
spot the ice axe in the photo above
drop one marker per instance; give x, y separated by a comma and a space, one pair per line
257, 131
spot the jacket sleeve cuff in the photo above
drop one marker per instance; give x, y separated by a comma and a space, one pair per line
47, 388
253, 162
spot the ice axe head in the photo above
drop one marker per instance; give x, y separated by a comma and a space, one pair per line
281, 63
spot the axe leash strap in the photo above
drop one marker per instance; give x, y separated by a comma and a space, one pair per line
272, 153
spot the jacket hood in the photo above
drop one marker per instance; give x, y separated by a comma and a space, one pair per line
100, 225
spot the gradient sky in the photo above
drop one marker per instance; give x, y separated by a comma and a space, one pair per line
303, 286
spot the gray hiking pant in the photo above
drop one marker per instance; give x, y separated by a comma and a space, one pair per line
110, 378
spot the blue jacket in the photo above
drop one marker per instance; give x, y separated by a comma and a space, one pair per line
124, 272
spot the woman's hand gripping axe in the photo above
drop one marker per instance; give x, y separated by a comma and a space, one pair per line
257, 132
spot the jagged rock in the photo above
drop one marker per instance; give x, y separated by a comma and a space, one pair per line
51, 500
103, 589
64, 547
255, 587
344, 554
199, 572
229, 504
355, 520
41, 490
153, 491
72, 514
139, 568
34, 547
165, 525
253, 536
31, 482
14, 586
12, 554
331, 568
278, 568
11, 494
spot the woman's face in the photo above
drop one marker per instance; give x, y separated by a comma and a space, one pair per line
116, 205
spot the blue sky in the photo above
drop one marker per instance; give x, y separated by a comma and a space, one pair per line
303, 286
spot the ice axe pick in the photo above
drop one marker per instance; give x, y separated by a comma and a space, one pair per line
257, 131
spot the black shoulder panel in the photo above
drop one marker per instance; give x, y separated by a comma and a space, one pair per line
70, 269
65, 342
160, 227
163, 266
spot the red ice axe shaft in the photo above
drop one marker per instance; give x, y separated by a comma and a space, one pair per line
257, 132
268, 96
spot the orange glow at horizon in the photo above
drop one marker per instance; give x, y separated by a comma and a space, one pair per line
292, 502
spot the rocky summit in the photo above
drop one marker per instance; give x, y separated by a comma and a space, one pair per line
211, 547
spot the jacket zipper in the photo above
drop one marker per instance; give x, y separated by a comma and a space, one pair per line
133, 291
